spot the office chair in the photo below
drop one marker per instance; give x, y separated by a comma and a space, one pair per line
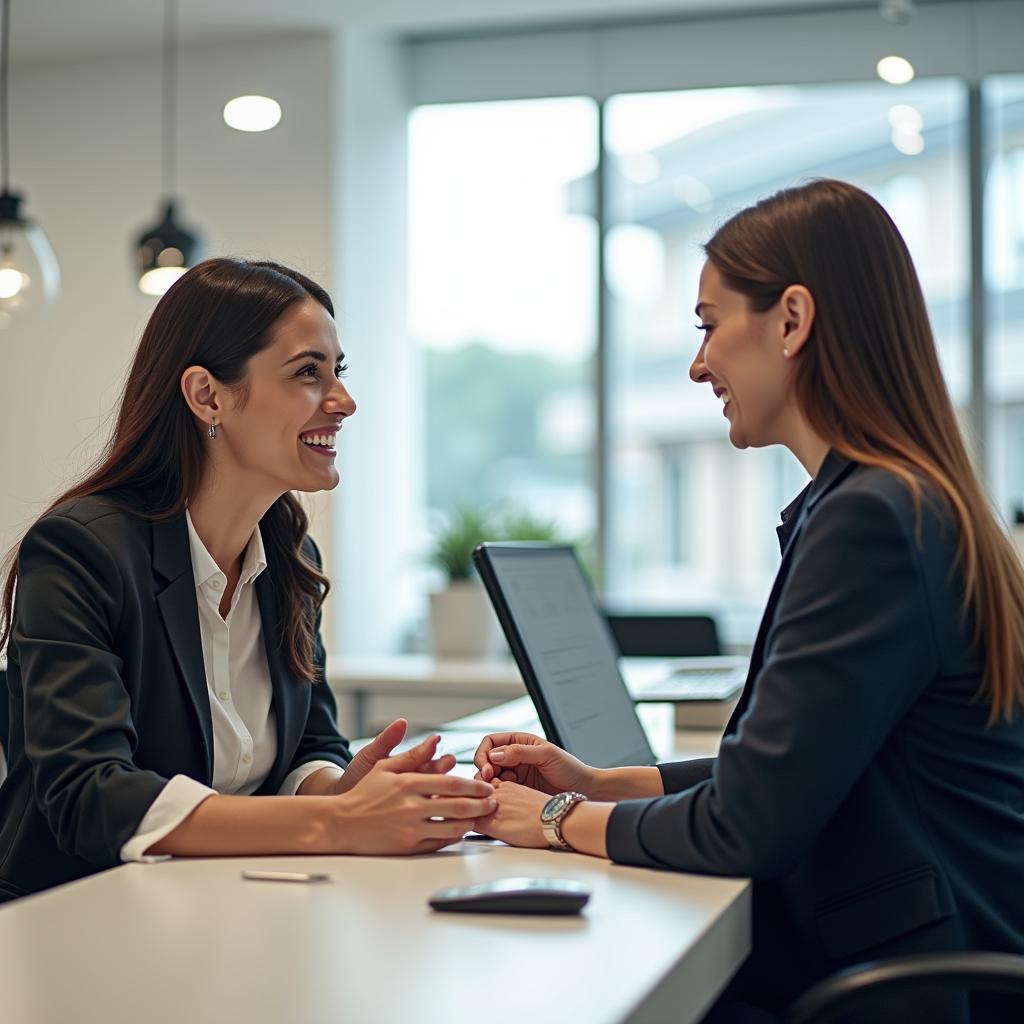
652, 635
847, 990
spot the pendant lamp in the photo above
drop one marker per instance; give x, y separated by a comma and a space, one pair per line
166, 250
29, 274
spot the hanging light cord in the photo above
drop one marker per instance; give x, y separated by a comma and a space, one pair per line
170, 163
4, 59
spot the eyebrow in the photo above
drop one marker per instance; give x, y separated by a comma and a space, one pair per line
312, 353
703, 305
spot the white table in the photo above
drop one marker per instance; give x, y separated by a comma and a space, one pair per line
191, 942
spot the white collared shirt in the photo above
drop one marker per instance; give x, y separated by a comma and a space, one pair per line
241, 699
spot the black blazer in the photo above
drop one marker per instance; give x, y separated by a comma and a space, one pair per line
857, 783
108, 691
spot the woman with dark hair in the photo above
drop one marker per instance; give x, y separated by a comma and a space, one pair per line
163, 616
871, 780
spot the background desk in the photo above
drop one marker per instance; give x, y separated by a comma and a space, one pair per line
374, 691
190, 942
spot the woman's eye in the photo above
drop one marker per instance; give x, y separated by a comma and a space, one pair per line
308, 371
706, 328
341, 371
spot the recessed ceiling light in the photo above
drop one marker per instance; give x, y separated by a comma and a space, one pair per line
895, 70
905, 118
908, 143
252, 113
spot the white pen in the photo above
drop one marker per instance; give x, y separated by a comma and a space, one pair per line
287, 876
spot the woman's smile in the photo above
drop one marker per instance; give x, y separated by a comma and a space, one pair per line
320, 440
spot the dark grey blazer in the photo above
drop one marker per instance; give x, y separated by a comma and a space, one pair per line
108, 690
858, 783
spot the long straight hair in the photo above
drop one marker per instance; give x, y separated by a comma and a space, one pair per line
218, 315
869, 383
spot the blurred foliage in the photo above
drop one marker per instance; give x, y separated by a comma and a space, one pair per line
483, 406
454, 542
470, 525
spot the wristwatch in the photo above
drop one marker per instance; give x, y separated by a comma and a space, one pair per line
553, 815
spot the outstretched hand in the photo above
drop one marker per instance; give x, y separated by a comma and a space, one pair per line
380, 748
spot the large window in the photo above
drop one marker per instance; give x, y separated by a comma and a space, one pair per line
502, 305
508, 202
1004, 279
691, 521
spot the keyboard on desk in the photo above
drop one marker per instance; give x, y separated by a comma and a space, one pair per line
687, 685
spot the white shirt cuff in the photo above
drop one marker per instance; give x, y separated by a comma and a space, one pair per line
291, 784
177, 800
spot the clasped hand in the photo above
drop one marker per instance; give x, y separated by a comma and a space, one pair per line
525, 771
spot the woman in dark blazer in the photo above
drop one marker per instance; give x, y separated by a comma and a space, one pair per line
871, 780
165, 660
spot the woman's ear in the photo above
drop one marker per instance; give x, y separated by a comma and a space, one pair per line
797, 307
201, 390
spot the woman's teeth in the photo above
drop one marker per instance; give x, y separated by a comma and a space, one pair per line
321, 439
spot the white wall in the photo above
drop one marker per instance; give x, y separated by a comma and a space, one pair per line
86, 150
377, 508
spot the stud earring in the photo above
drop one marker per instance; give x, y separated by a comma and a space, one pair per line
212, 432
785, 352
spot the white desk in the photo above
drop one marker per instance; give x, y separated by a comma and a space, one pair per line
373, 691
190, 942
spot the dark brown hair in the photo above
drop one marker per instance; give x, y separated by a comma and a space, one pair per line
218, 315
870, 314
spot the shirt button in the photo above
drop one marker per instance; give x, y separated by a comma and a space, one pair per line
217, 583
223, 694
247, 758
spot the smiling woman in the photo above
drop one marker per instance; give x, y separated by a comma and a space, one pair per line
165, 658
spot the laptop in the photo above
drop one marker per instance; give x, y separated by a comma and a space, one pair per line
565, 651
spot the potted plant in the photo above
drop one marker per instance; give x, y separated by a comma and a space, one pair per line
462, 622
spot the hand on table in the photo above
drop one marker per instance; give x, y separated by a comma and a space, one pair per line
401, 805
516, 820
533, 762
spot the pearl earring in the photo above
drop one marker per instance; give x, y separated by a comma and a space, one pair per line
785, 352
212, 432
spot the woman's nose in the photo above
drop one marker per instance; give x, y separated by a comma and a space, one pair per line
340, 401
698, 369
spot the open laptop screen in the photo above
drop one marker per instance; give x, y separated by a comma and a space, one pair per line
565, 651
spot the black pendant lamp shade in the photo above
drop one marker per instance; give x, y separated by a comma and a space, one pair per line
29, 274
164, 252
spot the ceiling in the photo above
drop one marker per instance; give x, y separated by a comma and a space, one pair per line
58, 30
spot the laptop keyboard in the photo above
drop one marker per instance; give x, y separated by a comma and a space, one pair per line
691, 685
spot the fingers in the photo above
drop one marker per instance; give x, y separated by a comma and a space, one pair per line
414, 758
440, 765
519, 753
462, 808
451, 830
446, 785
486, 773
498, 739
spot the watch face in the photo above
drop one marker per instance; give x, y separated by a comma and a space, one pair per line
554, 807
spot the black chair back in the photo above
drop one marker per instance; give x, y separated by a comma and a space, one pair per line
653, 635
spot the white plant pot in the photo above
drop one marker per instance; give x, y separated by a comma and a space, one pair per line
463, 623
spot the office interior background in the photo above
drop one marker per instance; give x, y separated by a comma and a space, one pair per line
507, 202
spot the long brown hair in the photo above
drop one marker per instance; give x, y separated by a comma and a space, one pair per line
218, 315
869, 382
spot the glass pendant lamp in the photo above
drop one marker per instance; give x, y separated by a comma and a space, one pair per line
165, 250
29, 274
